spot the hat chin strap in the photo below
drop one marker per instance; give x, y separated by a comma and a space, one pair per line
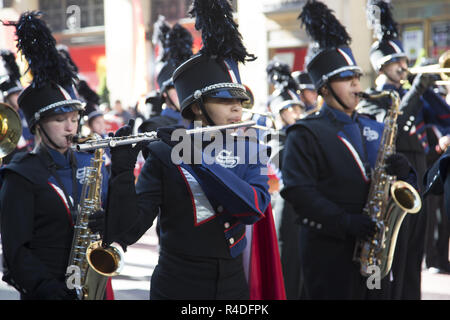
48, 138
392, 80
205, 113
335, 96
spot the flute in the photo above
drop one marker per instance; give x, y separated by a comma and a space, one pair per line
90, 143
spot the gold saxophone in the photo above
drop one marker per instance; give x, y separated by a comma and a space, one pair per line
388, 201
92, 263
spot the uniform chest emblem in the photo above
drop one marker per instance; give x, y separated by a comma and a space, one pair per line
81, 175
226, 159
371, 135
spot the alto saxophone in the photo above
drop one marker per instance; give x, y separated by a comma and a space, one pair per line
89, 261
388, 202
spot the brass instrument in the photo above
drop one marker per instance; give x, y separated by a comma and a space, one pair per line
388, 201
443, 68
10, 130
94, 263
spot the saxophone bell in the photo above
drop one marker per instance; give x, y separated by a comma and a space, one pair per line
106, 261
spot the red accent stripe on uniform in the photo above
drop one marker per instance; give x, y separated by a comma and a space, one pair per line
232, 226
256, 200
239, 240
420, 125
69, 215
356, 160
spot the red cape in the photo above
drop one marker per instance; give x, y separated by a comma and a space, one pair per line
109, 290
266, 275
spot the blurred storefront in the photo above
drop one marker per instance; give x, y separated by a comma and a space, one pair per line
111, 41
77, 24
271, 30
424, 27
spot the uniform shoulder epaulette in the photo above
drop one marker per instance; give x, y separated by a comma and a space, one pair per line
367, 115
303, 122
27, 165
159, 150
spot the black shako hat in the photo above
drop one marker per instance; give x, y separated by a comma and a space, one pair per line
51, 91
388, 47
49, 99
283, 99
285, 94
332, 56
303, 80
213, 72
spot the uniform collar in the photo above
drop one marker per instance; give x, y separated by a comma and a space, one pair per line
340, 115
61, 160
168, 112
389, 87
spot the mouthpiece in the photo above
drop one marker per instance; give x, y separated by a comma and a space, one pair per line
363, 95
73, 139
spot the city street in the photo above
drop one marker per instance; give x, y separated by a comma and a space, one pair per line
140, 259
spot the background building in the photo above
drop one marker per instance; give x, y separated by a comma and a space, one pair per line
111, 40
271, 30
424, 25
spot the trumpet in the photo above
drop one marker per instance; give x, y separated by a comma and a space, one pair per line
90, 143
443, 68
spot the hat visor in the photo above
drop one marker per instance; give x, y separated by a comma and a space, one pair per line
348, 73
64, 109
234, 93
229, 93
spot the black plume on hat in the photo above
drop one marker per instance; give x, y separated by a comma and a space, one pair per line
10, 64
322, 26
388, 48
380, 16
279, 74
35, 41
64, 52
90, 97
10, 83
177, 49
331, 53
179, 45
213, 72
160, 30
220, 34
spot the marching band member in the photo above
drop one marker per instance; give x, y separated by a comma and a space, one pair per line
202, 233
11, 87
308, 93
177, 47
326, 165
421, 107
287, 107
41, 189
